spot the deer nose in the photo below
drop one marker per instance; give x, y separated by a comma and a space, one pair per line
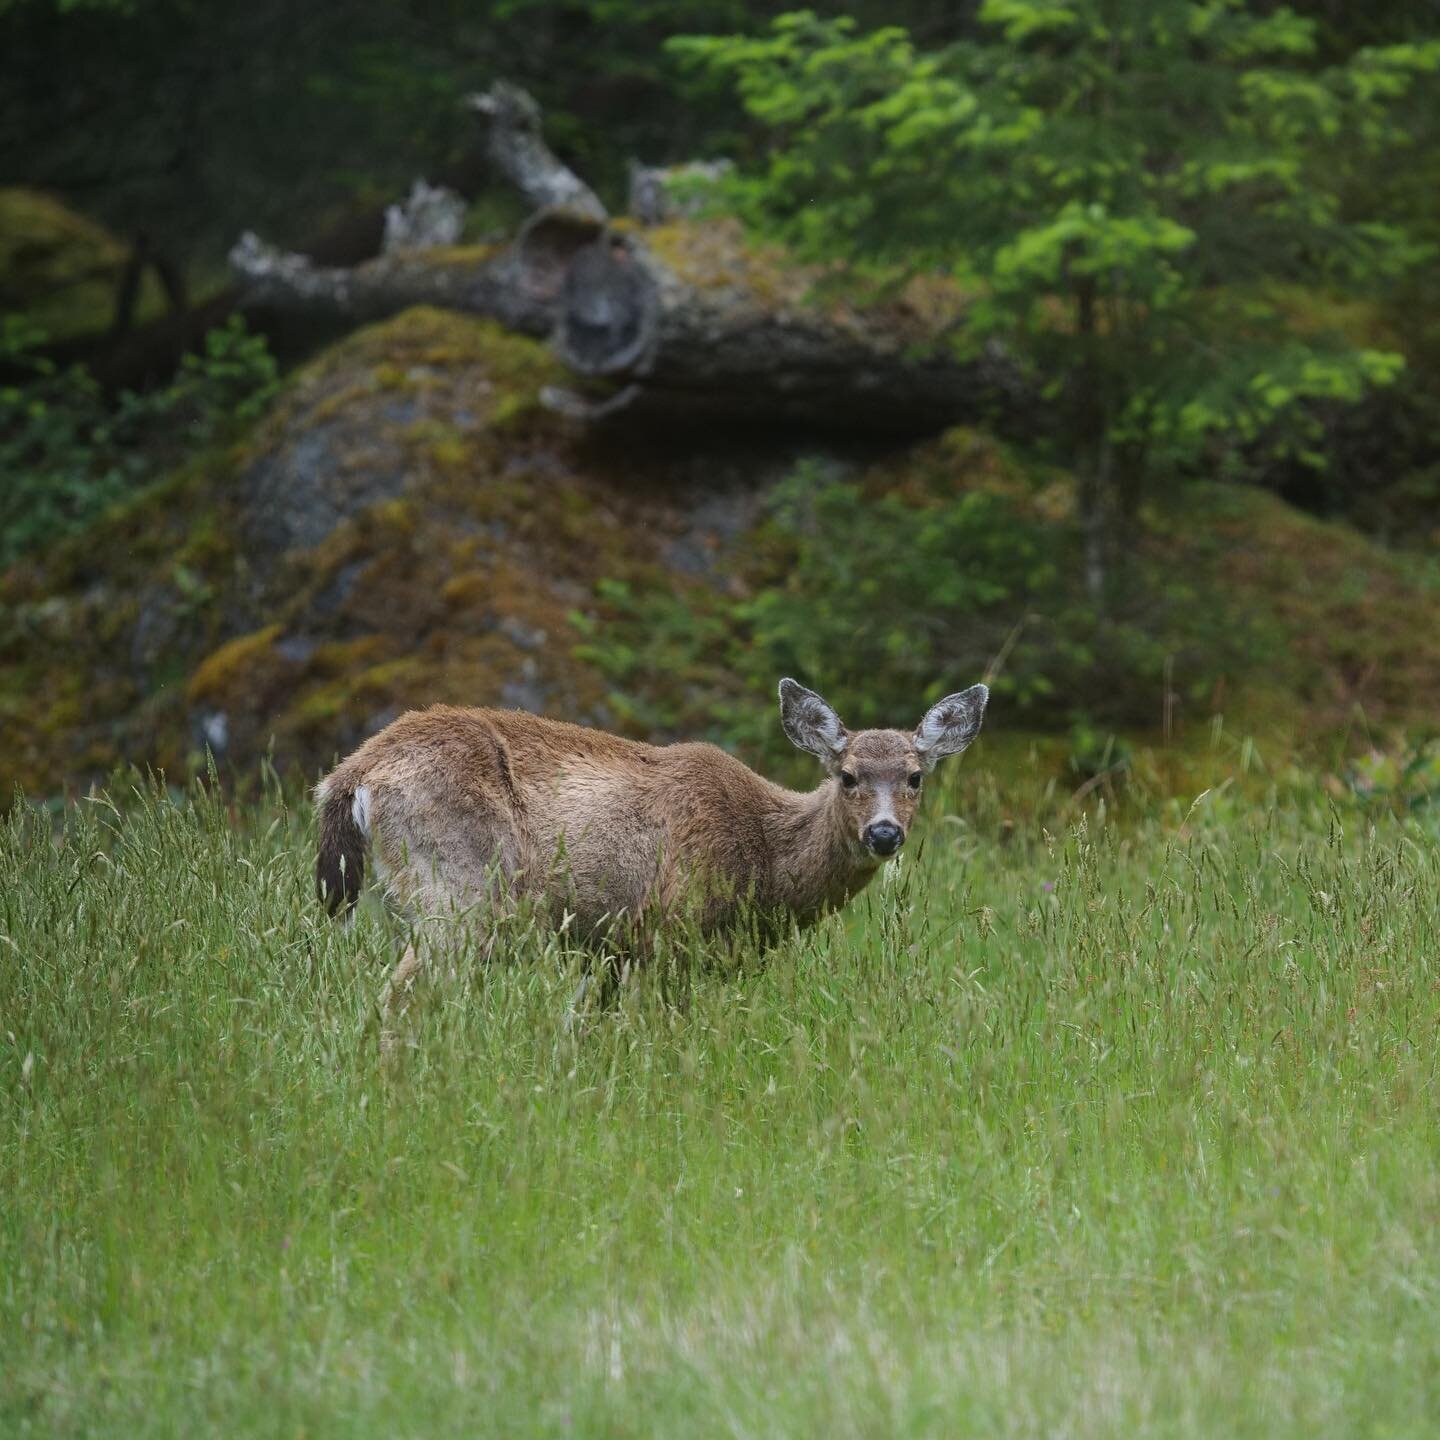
884, 837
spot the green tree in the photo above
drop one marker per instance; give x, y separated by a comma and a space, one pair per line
1132, 189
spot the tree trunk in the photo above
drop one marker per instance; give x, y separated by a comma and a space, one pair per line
1097, 519
1096, 466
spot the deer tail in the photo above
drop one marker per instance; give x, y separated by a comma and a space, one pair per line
344, 812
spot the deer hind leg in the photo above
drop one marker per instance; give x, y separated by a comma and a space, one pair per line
444, 939
436, 877
434, 953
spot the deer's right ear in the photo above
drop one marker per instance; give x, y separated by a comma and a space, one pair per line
812, 724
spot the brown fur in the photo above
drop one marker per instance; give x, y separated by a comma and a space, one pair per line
468, 805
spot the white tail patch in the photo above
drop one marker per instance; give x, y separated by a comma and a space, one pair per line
360, 809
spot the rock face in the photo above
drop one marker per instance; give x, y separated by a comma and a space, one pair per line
344, 439
410, 525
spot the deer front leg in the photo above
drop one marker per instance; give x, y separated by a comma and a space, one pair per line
396, 999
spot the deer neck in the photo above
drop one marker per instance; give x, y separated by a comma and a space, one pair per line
817, 864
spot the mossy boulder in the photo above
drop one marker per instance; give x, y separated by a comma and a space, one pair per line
408, 525
57, 267
381, 414
1353, 628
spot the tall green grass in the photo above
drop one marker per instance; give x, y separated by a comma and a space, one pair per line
1131, 1129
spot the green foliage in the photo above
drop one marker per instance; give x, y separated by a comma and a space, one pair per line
1096, 755
877, 587
1406, 780
886, 599
1127, 1132
1119, 182
68, 454
58, 449
231, 381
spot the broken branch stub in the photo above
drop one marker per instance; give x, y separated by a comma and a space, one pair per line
428, 218
517, 147
472, 283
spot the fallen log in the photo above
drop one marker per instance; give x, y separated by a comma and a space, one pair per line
692, 316
708, 328
685, 317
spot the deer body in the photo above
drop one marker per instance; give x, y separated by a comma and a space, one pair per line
474, 805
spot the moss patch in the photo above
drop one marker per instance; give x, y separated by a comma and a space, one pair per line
1357, 627
61, 269
715, 256
232, 671
387, 353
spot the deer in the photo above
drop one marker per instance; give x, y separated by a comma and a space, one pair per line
610, 837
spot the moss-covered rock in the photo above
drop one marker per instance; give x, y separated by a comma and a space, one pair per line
57, 267
408, 525
1354, 628
381, 414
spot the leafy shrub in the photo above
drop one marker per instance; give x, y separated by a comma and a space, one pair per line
886, 601
230, 382
1141, 199
58, 448
1407, 780
923, 596
1097, 755
67, 454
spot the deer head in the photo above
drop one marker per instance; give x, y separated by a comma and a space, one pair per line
878, 774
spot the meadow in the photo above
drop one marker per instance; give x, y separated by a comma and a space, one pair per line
1118, 1120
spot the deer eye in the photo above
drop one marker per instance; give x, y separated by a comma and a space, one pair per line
849, 779
915, 778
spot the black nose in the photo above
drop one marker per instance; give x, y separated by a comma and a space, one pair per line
884, 838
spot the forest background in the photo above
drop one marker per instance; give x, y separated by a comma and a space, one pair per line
1199, 236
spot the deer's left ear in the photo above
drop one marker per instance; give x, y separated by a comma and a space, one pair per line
951, 725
